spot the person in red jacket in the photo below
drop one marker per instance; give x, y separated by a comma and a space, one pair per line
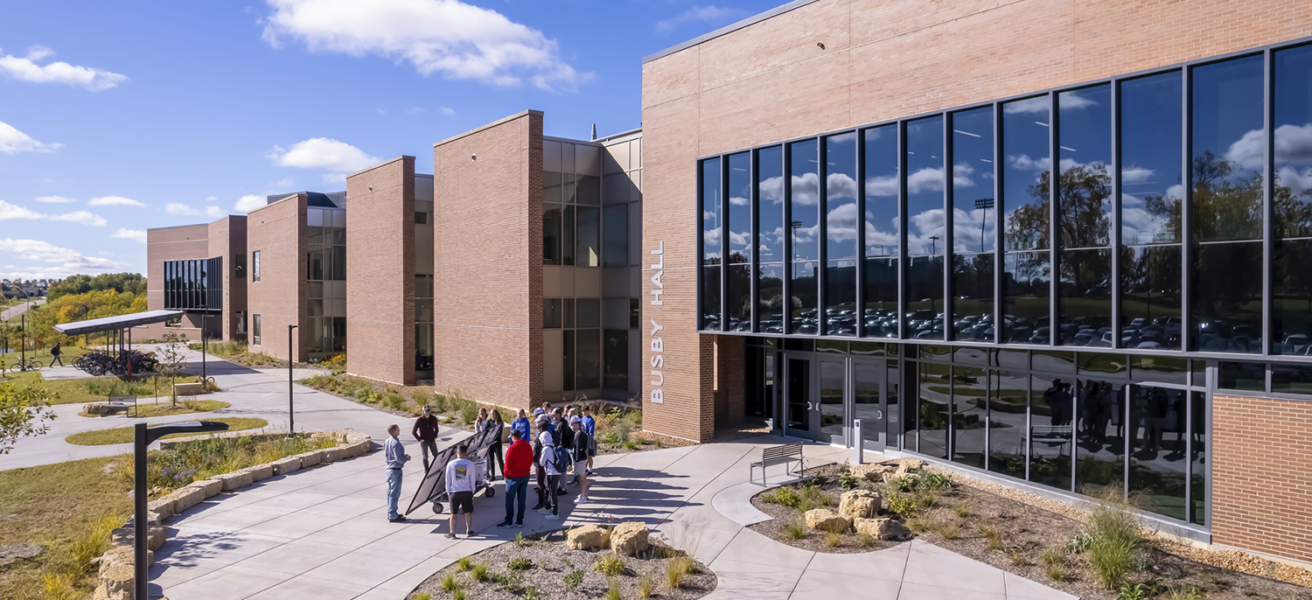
518, 459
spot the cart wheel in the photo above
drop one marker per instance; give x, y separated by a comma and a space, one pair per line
490, 492
437, 508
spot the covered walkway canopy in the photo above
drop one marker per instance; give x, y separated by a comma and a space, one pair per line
117, 323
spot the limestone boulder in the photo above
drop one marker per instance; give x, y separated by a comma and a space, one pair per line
873, 472
906, 464
884, 529
210, 487
824, 519
629, 538
309, 459
117, 582
156, 535
235, 480
162, 507
186, 498
862, 504
587, 537
287, 465
260, 472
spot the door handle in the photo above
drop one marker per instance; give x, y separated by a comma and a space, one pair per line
879, 414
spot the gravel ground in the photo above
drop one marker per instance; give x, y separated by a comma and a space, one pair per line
552, 560
1026, 531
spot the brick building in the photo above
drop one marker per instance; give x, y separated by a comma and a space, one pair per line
844, 212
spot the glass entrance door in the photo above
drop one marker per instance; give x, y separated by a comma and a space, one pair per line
824, 393
869, 403
799, 403
831, 416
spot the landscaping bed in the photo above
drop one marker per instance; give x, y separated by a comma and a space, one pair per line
123, 435
545, 566
98, 389
1104, 554
155, 409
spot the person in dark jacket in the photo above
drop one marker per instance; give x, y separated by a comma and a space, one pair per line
425, 432
543, 425
579, 454
563, 436
518, 459
494, 451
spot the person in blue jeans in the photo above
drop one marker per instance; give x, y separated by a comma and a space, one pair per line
519, 457
396, 458
56, 352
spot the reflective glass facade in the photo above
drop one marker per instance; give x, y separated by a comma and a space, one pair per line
194, 285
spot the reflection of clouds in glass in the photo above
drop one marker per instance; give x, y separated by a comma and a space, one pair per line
881, 186
1025, 163
806, 189
1289, 177
1249, 152
775, 237
924, 226
1132, 175
879, 242
1032, 105
1074, 100
971, 227
772, 190
740, 241
1294, 144
711, 241
840, 185
842, 222
925, 180
738, 201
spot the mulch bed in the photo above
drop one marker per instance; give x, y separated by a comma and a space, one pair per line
1026, 532
552, 560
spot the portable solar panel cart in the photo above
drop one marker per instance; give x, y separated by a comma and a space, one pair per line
433, 488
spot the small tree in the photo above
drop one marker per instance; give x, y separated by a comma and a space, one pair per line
172, 360
24, 411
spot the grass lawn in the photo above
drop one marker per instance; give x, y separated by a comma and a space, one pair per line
97, 389
123, 435
164, 409
56, 506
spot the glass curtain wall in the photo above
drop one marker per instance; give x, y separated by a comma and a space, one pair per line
423, 322
1026, 185
326, 306
882, 230
1084, 215
927, 231
712, 249
770, 239
974, 226
1291, 262
841, 223
803, 209
739, 293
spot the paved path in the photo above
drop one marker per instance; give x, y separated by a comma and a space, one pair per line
323, 534
14, 311
252, 393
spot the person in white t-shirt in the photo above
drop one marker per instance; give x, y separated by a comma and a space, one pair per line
547, 464
460, 489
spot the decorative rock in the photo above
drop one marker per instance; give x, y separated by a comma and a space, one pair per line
260, 472
186, 498
211, 487
872, 472
827, 520
629, 538
859, 504
358, 448
118, 582
156, 535
287, 465
587, 537
309, 459
234, 480
162, 507
906, 464
15, 552
884, 529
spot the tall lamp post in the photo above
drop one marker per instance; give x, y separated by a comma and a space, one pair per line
143, 436
291, 407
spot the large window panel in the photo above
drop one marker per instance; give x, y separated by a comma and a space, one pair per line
934, 405
1025, 174
1158, 457
589, 237
740, 209
1152, 189
927, 231
1085, 301
551, 219
974, 225
615, 236
1226, 300
882, 228
804, 206
1026, 288
1099, 444
770, 239
841, 222
770, 291
972, 297
712, 249
1291, 263
616, 376
1084, 187
739, 297
971, 389
1150, 297
1051, 408
1200, 444
1007, 419
569, 227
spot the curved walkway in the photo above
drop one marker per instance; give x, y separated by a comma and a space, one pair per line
322, 533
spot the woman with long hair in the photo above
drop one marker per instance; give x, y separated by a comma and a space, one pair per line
494, 451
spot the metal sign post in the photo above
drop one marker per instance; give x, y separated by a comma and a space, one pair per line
859, 454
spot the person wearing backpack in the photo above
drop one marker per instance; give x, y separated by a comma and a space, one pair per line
579, 455
56, 352
549, 464
543, 426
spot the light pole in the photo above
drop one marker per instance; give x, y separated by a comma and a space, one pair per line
142, 437
291, 408
24, 348
983, 204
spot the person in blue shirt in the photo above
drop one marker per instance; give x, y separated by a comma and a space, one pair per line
590, 426
396, 458
521, 425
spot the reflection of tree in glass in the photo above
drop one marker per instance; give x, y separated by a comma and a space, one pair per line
1226, 205
1084, 197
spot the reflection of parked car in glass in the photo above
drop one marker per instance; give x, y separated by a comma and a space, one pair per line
1040, 336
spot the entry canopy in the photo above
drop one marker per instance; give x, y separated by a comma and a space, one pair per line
116, 323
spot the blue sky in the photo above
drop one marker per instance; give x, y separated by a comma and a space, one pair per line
118, 117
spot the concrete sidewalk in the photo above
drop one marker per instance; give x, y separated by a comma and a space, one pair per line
324, 534
252, 393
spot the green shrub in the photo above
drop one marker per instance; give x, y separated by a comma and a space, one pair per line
449, 582
1056, 573
646, 586
1185, 593
795, 530
424, 596
609, 565
613, 590
520, 540
573, 579
1132, 592
783, 496
833, 540
848, 481
962, 509
813, 494
991, 536
519, 563
464, 563
480, 572
458, 595
950, 530
1111, 558
531, 593
866, 540
903, 506
676, 570
1018, 558
439, 403
468, 412
1079, 544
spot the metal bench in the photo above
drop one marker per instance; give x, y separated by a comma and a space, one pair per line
1051, 435
121, 404
777, 455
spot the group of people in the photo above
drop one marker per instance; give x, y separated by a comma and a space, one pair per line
552, 443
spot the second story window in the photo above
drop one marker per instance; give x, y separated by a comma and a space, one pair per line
255, 266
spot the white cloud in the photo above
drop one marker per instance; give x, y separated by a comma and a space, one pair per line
446, 112
12, 211
136, 235
36, 250
1037, 105
1024, 162
13, 141
415, 111
1134, 174
282, 184
1074, 100
250, 202
114, 201
177, 208
212, 199
1293, 146
455, 39
26, 69
700, 14
54, 199
1290, 177
323, 153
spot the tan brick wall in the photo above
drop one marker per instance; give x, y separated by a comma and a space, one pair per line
169, 243
880, 60
487, 215
730, 392
279, 233
1262, 475
380, 271
227, 239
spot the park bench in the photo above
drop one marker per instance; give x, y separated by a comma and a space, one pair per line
1051, 435
121, 404
777, 455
